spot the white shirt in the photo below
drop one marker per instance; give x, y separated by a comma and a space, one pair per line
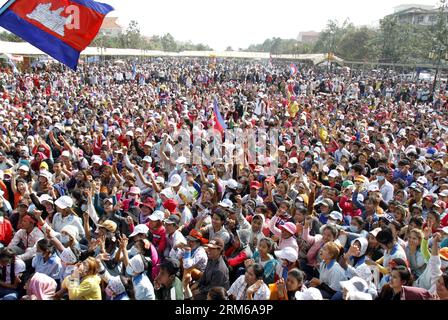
332, 275
174, 240
28, 240
59, 222
239, 290
387, 190
19, 267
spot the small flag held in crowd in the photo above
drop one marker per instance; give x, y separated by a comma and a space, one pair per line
293, 69
60, 28
220, 124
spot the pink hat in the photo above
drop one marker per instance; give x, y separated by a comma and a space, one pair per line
134, 190
289, 227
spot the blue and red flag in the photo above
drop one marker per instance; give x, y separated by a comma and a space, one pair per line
220, 124
60, 28
293, 69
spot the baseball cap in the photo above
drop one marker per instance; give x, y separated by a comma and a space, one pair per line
45, 197
170, 205
109, 225
375, 232
175, 181
181, 160
64, 202
347, 183
24, 168
335, 215
255, 185
232, 184
226, 203
149, 202
443, 253
45, 174
287, 253
139, 229
333, 174
444, 193
328, 202
373, 188
216, 243
65, 153
289, 227
194, 235
173, 219
157, 216
309, 294
135, 190
147, 159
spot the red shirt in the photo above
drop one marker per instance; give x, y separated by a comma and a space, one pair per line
159, 238
6, 232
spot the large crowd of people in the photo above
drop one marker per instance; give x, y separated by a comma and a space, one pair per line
103, 196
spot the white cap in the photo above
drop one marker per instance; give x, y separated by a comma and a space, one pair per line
226, 203
97, 161
333, 174
335, 215
140, 228
373, 188
148, 144
157, 216
175, 181
282, 148
160, 180
422, 180
45, 197
64, 202
130, 133
287, 253
181, 160
232, 184
444, 193
293, 160
24, 168
147, 159
46, 174
309, 294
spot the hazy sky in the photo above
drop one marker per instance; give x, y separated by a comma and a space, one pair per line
239, 23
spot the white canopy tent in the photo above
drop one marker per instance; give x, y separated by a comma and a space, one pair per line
26, 49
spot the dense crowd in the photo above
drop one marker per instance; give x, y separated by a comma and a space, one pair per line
98, 200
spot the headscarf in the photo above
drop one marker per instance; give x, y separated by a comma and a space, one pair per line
42, 287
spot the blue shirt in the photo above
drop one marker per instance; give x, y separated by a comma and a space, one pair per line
52, 267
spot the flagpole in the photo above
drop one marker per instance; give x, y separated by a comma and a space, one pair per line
6, 6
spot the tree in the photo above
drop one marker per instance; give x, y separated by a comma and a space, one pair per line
10, 37
168, 43
229, 48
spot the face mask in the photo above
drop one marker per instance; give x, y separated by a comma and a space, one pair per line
211, 178
308, 159
84, 207
64, 238
178, 167
332, 222
380, 178
353, 228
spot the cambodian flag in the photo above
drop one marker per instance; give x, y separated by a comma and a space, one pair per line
220, 124
293, 69
60, 28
